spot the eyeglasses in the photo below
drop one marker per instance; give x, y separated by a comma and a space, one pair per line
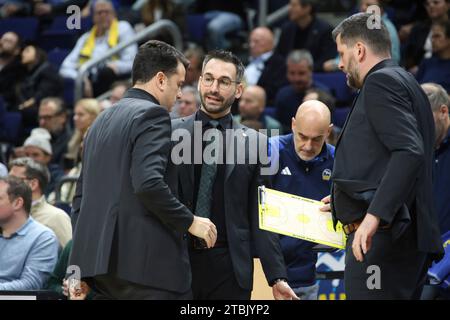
223, 82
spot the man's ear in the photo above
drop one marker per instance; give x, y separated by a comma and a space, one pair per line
239, 90
443, 110
161, 80
18, 203
330, 128
360, 51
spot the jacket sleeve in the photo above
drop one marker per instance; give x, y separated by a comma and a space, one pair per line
266, 243
150, 136
389, 110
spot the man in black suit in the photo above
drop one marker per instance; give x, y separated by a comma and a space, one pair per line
266, 69
382, 172
218, 186
306, 31
130, 237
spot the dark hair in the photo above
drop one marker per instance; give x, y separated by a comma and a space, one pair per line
229, 57
324, 97
444, 25
355, 28
156, 56
18, 189
311, 3
33, 170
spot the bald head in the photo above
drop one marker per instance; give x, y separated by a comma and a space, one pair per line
252, 102
311, 126
261, 41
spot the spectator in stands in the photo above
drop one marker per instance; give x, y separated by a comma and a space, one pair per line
37, 177
437, 68
38, 147
195, 55
300, 67
223, 17
266, 68
12, 8
440, 105
328, 100
11, 70
86, 111
306, 31
187, 104
53, 118
56, 8
332, 64
118, 89
106, 33
155, 10
3, 170
419, 44
305, 165
28, 250
58, 282
41, 81
251, 108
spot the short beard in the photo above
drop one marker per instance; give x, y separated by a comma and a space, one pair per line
353, 75
226, 104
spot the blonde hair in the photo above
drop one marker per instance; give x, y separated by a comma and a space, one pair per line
92, 107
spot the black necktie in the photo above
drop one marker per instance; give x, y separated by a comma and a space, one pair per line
208, 175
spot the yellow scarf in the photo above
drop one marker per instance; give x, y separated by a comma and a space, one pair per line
88, 48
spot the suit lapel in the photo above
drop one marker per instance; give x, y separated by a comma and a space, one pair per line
346, 120
230, 163
187, 170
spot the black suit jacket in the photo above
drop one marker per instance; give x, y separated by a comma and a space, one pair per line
383, 160
273, 77
241, 207
130, 225
319, 41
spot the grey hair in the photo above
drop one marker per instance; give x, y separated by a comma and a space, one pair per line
33, 170
297, 56
194, 91
356, 28
436, 95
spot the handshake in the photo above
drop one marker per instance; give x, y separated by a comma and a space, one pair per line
204, 229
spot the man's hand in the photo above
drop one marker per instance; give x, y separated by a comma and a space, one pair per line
327, 206
282, 291
363, 236
205, 229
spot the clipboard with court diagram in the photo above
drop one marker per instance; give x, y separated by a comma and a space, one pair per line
298, 217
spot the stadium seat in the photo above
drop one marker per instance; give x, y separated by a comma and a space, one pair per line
56, 56
27, 28
340, 115
196, 27
337, 83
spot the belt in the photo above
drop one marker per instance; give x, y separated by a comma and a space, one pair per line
352, 227
200, 244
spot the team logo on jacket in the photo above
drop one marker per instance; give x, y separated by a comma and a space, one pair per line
326, 174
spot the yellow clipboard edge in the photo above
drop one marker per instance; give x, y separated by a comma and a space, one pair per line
261, 208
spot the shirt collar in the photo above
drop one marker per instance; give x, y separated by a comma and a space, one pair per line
446, 142
387, 63
22, 231
140, 94
263, 57
225, 122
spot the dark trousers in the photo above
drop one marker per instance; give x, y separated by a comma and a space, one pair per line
213, 276
111, 288
402, 269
